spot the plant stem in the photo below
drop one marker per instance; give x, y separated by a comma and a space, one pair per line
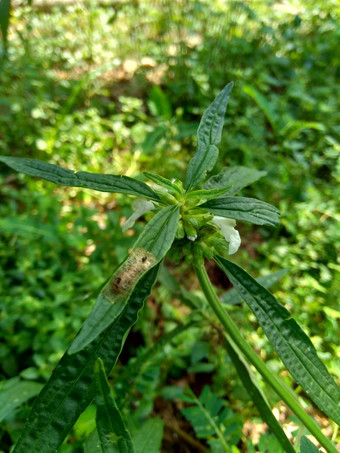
234, 333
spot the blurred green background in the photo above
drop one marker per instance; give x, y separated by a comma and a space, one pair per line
119, 87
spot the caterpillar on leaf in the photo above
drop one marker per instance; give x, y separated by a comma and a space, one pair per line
122, 281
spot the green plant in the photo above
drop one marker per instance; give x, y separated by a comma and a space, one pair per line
194, 221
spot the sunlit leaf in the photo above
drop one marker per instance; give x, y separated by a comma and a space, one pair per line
65, 177
208, 137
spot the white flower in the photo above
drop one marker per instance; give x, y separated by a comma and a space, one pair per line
229, 233
140, 207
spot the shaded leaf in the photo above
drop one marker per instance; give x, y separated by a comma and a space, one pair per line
113, 435
65, 177
245, 209
232, 297
208, 136
290, 342
258, 399
70, 388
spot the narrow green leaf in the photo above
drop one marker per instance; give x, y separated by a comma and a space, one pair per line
149, 249
70, 388
163, 182
14, 392
148, 439
209, 193
159, 234
113, 297
238, 177
306, 446
258, 399
65, 177
232, 297
290, 342
113, 435
245, 209
208, 136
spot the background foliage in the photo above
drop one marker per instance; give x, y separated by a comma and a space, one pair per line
119, 88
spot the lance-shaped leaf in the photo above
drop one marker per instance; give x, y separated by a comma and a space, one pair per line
208, 137
290, 342
208, 194
70, 388
246, 209
159, 234
258, 399
163, 182
232, 297
65, 177
238, 177
113, 435
150, 248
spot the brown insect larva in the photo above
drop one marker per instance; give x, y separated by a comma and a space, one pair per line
127, 275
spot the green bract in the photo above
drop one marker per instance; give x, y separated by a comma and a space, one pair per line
195, 220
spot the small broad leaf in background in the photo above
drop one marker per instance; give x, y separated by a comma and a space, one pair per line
65, 177
92, 443
148, 438
211, 419
208, 137
290, 342
245, 209
14, 392
159, 103
306, 446
70, 388
113, 435
238, 177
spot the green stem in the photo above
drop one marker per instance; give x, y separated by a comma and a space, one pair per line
233, 331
